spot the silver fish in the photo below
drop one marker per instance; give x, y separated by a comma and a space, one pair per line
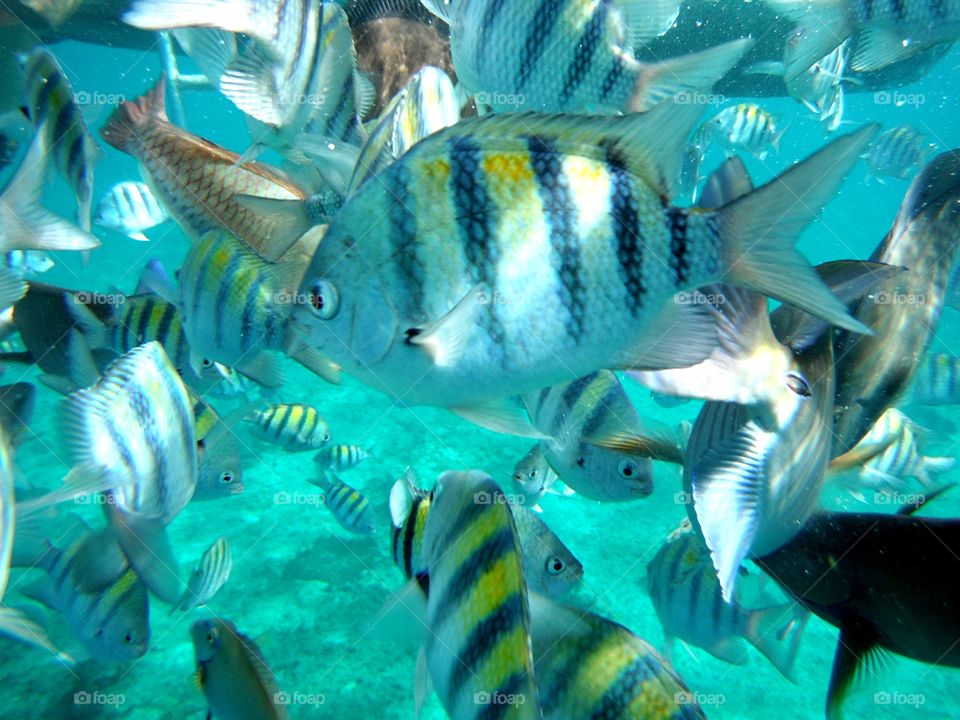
533, 476
130, 208
747, 127
571, 55
899, 152
209, 576
937, 380
548, 565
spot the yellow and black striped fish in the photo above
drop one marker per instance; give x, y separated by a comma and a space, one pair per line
937, 381
51, 99
478, 648
219, 467
409, 507
295, 427
339, 457
348, 505
747, 127
591, 667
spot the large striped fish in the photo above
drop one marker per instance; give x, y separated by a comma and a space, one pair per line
478, 649
572, 55
590, 667
196, 181
54, 113
513, 252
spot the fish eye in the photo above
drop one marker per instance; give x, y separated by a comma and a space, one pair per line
581, 461
798, 384
207, 363
212, 636
128, 638
627, 468
555, 565
324, 300
226, 477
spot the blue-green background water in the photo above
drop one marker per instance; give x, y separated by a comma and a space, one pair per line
310, 593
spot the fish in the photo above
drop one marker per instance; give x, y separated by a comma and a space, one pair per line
533, 476
869, 567
196, 181
14, 134
131, 436
27, 262
478, 648
537, 293
936, 380
295, 427
24, 225
234, 307
208, 576
874, 373
898, 459
589, 666
130, 208
111, 622
898, 152
17, 403
219, 466
597, 446
549, 567
819, 85
233, 674
572, 56
339, 457
747, 127
687, 598
56, 116
884, 35
409, 508
348, 505
297, 77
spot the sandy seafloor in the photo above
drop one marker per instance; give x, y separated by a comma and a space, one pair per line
310, 593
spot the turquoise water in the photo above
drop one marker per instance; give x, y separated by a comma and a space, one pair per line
310, 593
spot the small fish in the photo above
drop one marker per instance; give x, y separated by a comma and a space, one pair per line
24, 225
937, 380
687, 598
590, 667
130, 208
409, 507
747, 127
233, 674
56, 116
348, 505
111, 622
898, 152
868, 568
219, 467
548, 565
572, 56
598, 445
232, 309
295, 427
339, 457
27, 262
478, 617
884, 35
831, 118
208, 577
17, 402
450, 324
874, 371
198, 182
533, 477
899, 459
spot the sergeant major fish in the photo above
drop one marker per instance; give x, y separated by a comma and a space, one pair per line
348, 505
130, 208
937, 380
898, 152
339, 457
295, 427
572, 55
481, 265
747, 127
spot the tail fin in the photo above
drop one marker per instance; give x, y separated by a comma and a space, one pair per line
125, 122
682, 75
933, 466
758, 230
821, 28
776, 631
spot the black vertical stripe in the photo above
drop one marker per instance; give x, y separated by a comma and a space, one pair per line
899, 9
561, 217
403, 236
585, 51
679, 260
225, 283
613, 77
163, 329
537, 34
626, 231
